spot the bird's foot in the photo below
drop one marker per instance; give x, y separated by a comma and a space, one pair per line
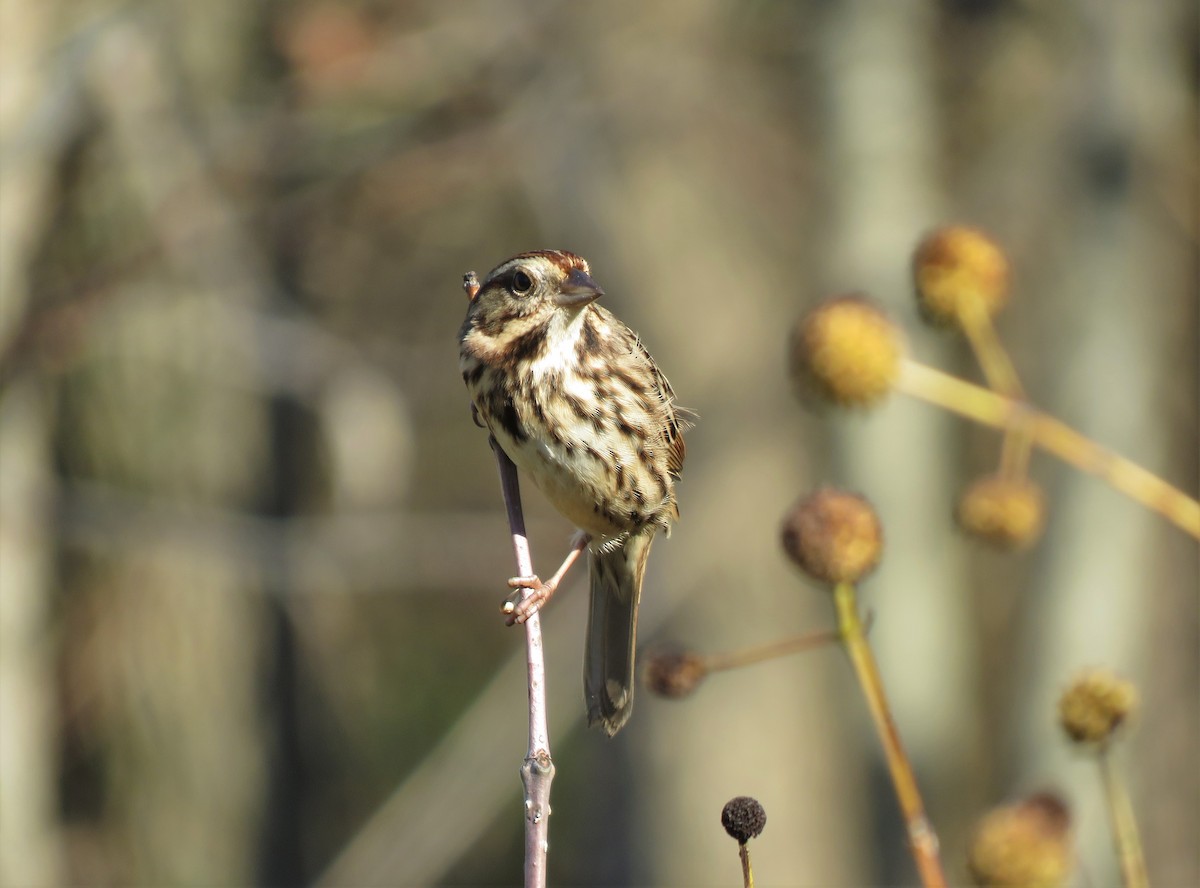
519, 606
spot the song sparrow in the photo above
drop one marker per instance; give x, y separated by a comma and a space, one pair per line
578, 404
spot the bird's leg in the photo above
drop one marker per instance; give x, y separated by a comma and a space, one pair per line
520, 608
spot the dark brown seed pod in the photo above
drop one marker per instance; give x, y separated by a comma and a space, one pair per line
743, 818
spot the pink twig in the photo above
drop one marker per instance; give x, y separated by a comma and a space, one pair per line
537, 771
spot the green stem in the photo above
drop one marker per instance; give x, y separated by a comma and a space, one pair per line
922, 839
758, 654
997, 366
987, 407
1124, 824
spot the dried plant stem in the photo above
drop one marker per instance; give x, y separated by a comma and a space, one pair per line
1014, 454
993, 359
922, 839
1053, 436
1124, 824
1001, 376
537, 771
747, 872
761, 653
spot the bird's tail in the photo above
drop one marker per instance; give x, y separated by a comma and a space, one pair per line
608, 667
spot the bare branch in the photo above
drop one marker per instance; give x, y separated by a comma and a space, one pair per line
537, 772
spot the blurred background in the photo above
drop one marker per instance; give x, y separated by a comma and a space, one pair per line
252, 548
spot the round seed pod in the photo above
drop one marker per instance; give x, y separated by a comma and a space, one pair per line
673, 675
743, 818
1006, 512
834, 536
847, 351
957, 269
1026, 845
1095, 705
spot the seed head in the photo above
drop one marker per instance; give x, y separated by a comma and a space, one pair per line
1026, 845
1095, 705
834, 536
954, 266
847, 351
674, 675
743, 818
1007, 512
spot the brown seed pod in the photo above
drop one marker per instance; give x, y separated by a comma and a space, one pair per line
673, 675
743, 818
834, 536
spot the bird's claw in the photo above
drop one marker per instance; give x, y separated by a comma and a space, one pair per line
519, 607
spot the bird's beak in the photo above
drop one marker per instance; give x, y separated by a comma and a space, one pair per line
577, 290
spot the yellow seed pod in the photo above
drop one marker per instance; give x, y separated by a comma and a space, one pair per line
1026, 845
673, 675
1095, 705
834, 536
847, 351
957, 269
1007, 512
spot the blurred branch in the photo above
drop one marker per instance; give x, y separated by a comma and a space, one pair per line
166, 161
31, 851
1053, 436
454, 795
1124, 823
53, 333
376, 550
42, 111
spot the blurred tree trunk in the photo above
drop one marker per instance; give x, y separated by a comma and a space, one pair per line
38, 120
1096, 598
165, 406
31, 850
884, 137
36, 114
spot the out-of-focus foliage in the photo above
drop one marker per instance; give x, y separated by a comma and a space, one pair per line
252, 547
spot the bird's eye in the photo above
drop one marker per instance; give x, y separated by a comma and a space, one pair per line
522, 283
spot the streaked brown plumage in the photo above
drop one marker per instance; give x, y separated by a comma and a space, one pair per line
578, 404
